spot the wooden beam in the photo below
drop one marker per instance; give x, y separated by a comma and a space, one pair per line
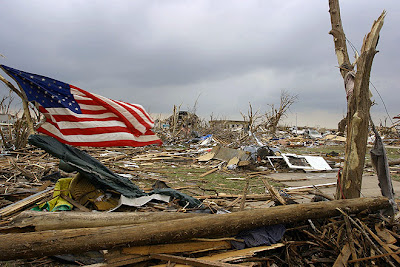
44, 243
42, 221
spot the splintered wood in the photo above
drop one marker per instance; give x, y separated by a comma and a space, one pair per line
317, 234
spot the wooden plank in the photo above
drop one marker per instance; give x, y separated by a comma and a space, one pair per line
114, 258
351, 240
233, 161
44, 186
383, 244
191, 261
177, 247
243, 199
206, 157
234, 254
274, 193
26, 202
373, 257
374, 248
384, 234
223, 195
341, 260
240, 254
75, 203
209, 172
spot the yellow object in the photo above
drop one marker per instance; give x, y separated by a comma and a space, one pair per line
83, 191
58, 203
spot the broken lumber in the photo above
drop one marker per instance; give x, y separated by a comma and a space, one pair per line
45, 243
178, 247
234, 254
26, 202
191, 261
380, 242
343, 257
273, 192
209, 172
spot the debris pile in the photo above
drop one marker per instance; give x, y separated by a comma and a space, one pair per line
122, 206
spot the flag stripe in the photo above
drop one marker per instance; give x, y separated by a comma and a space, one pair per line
87, 131
88, 124
102, 140
131, 121
98, 137
60, 118
66, 112
139, 107
91, 107
135, 113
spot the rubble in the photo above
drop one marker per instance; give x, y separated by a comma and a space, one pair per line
161, 230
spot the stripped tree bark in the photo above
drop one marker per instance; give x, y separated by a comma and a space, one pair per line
358, 100
25, 103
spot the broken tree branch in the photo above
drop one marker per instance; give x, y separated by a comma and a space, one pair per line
339, 38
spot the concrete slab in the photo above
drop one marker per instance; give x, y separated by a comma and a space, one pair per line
369, 188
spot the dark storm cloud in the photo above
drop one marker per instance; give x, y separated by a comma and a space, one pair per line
227, 53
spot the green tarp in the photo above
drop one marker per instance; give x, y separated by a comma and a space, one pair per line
97, 173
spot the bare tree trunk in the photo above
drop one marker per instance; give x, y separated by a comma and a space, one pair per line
342, 126
276, 114
25, 104
359, 103
339, 38
28, 117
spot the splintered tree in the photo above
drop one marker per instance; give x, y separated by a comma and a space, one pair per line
275, 115
356, 77
251, 118
25, 103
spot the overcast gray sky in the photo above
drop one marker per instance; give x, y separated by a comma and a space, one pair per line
225, 53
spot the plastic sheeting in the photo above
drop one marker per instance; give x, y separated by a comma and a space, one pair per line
91, 168
266, 235
98, 174
380, 163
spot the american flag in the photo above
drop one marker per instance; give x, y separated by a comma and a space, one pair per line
77, 117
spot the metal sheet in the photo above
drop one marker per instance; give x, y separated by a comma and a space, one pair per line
306, 162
